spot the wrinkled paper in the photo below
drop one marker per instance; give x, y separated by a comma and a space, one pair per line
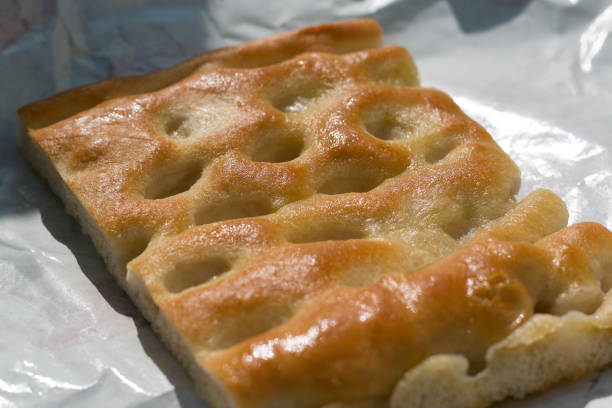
536, 74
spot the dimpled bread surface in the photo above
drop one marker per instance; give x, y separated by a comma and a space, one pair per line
304, 226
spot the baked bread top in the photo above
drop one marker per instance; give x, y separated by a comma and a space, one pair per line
353, 342
287, 213
224, 142
227, 143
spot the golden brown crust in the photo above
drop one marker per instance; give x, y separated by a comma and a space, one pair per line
462, 304
294, 214
125, 150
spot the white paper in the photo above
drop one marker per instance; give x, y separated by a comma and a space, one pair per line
536, 74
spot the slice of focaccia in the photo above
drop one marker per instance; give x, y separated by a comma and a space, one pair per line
304, 226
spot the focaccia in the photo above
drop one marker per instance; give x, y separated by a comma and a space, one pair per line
304, 226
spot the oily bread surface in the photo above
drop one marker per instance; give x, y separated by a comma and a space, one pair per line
267, 180
214, 145
379, 331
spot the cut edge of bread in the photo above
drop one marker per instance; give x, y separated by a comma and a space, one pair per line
44, 167
206, 385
